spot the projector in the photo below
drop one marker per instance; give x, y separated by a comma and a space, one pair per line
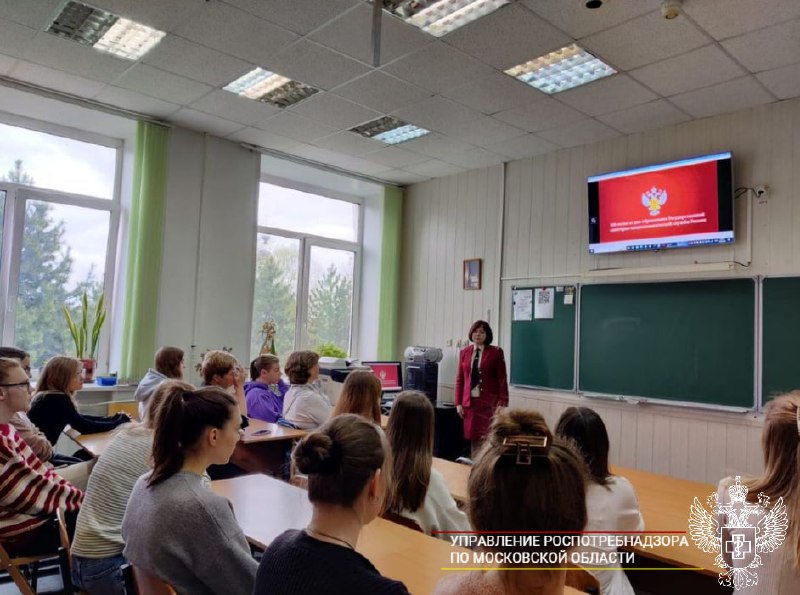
418, 353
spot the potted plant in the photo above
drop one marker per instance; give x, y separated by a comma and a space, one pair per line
87, 334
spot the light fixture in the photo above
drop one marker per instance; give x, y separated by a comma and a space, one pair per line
268, 87
592, 4
671, 9
390, 130
104, 31
440, 17
563, 69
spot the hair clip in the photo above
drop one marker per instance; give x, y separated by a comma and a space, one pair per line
526, 447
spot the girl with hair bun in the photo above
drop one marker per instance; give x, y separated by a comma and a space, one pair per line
172, 516
347, 462
521, 462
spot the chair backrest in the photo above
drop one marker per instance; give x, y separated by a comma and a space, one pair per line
401, 520
10, 566
139, 581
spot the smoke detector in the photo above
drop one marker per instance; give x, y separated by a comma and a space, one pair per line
671, 9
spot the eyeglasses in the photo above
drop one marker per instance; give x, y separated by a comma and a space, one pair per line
26, 384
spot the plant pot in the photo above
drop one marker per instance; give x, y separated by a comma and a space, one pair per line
88, 369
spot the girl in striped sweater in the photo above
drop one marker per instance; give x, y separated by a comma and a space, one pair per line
30, 493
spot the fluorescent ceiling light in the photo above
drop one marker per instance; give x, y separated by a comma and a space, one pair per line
104, 31
440, 17
390, 130
268, 87
563, 69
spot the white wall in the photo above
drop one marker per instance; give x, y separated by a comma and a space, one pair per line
544, 241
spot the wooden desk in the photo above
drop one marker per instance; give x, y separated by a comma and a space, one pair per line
455, 475
94, 443
262, 431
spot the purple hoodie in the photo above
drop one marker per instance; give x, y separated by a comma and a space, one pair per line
262, 403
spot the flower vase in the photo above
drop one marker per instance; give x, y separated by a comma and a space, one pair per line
88, 369
272, 346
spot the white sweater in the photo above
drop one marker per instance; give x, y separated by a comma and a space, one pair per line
306, 407
439, 511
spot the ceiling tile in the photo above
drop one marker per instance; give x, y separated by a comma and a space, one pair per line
235, 108
474, 158
507, 37
236, 32
523, 146
395, 157
334, 111
435, 145
382, 92
541, 115
32, 14
434, 168
723, 98
300, 16
726, 18
261, 138
15, 39
296, 127
495, 93
400, 176
438, 113
607, 95
579, 133
75, 58
783, 82
578, 21
202, 122
486, 130
56, 79
644, 40
361, 166
131, 100
645, 117
179, 56
349, 143
767, 48
699, 68
438, 67
351, 34
162, 15
6, 64
315, 65
162, 85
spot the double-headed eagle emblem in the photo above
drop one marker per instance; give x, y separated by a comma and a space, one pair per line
654, 199
738, 532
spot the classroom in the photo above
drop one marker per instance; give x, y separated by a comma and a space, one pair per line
235, 166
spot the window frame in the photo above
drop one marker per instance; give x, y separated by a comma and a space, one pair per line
13, 224
307, 241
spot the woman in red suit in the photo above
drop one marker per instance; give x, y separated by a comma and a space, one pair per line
481, 385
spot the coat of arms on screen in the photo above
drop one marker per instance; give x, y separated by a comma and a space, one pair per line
738, 531
654, 199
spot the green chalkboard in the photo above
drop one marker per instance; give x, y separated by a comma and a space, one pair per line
543, 350
682, 341
780, 336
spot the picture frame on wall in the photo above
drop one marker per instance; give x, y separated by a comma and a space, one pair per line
472, 273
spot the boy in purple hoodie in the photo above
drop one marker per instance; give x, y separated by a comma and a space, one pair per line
264, 393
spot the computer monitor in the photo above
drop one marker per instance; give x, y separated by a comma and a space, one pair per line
389, 373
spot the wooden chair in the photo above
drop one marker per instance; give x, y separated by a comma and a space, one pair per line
129, 407
27, 586
139, 581
401, 520
583, 581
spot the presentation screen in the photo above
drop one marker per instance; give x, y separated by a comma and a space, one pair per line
680, 204
389, 373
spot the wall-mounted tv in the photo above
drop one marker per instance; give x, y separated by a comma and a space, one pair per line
681, 204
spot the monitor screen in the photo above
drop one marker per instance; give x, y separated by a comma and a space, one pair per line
681, 204
389, 373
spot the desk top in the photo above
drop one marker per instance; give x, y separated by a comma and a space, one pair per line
663, 500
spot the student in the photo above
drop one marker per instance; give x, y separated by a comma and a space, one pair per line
220, 368
97, 547
361, 394
304, 405
31, 492
523, 480
54, 407
346, 461
611, 503
779, 573
168, 364
264, 402
418, 491
175, 527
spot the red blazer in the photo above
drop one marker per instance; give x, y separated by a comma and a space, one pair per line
493, 384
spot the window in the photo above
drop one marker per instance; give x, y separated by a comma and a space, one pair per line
307, 264
58, 217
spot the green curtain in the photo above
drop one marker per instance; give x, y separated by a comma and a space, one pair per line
145, 234
389, 297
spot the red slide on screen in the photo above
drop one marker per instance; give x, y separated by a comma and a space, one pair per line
677, 201
388, 374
